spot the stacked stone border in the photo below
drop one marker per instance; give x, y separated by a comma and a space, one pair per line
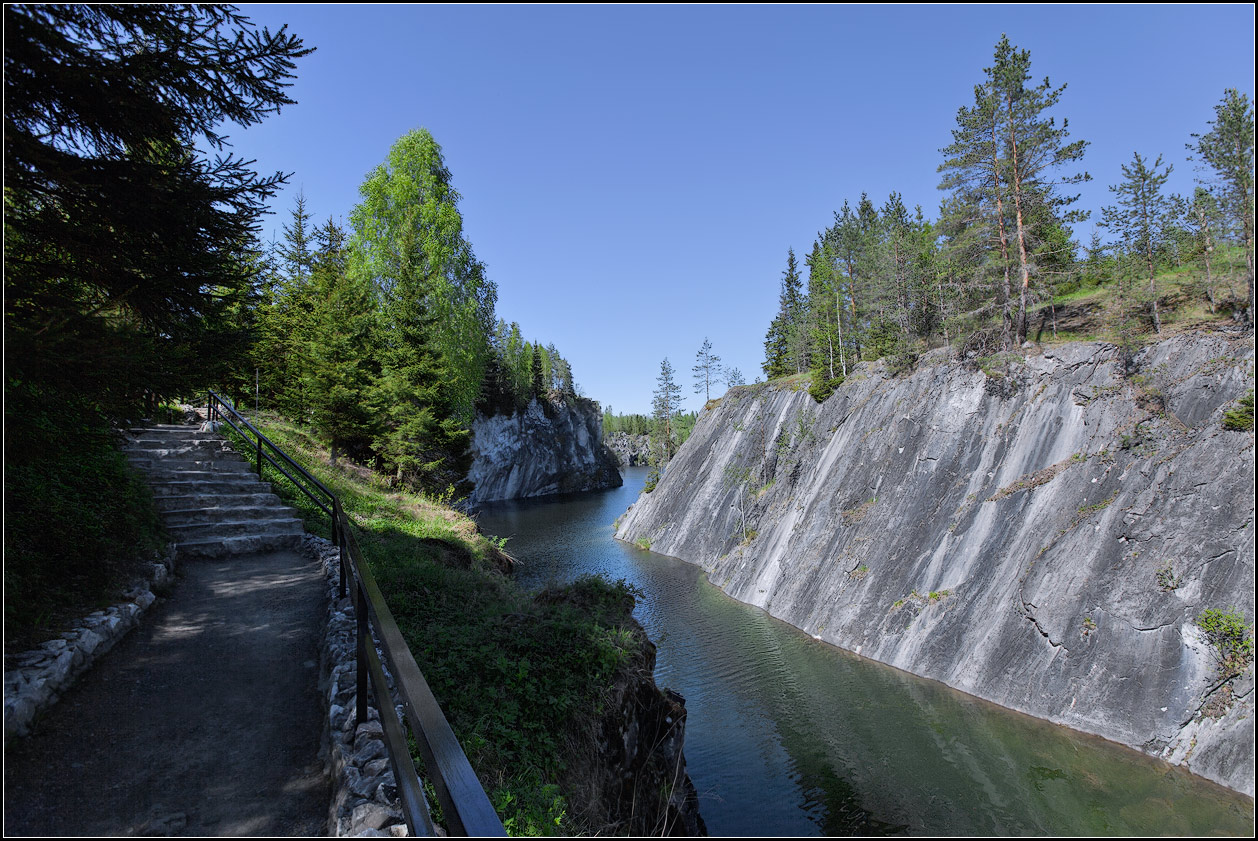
364, 793
41, 675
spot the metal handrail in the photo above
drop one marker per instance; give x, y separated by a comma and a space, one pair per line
464, 804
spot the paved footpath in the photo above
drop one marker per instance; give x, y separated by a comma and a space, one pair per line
205, 720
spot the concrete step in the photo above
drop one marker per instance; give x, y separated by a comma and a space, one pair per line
243, 545
217, 473
211, 501
234, 528
191, 461
189, 502
226, 484
226, 513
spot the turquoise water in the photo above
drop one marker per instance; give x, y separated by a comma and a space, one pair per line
786, 735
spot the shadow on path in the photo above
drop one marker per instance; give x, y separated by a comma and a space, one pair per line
205, 720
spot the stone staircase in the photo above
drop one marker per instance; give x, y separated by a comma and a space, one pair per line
210, 499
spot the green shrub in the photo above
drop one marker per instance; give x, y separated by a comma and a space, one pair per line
822, 386
1227, 632
1241, 417
77, 516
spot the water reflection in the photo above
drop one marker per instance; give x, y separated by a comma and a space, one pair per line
789, 736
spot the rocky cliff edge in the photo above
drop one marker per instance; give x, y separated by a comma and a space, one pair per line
550, 447
1039, 529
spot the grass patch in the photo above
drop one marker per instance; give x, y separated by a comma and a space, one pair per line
1240, 418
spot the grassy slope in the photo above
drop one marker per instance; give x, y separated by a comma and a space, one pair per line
521, 678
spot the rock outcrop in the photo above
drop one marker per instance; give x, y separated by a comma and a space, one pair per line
630, 450
549, 448
1038, 530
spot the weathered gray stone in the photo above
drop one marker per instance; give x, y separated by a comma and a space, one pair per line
548, 448
1001, 532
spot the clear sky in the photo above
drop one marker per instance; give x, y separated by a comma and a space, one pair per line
632, 176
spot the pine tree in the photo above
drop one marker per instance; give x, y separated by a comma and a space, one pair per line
1141, 218
1000, 171
1203, 216
707, 370
665, 408
1228, 149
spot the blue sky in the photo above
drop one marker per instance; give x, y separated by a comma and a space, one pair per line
633, 176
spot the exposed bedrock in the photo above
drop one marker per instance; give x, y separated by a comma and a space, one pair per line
549, 448
1041, 532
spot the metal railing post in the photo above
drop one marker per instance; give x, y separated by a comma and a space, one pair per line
364, 634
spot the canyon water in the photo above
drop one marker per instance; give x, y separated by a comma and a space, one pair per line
786, 735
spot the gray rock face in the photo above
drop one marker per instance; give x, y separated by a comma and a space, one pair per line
630, 450
546, 449
1041, 532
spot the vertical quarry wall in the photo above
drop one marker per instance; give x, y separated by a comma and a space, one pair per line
1041, 531
550, 447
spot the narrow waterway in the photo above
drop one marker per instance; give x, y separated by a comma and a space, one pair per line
789, 736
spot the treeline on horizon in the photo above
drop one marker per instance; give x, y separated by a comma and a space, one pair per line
886, 282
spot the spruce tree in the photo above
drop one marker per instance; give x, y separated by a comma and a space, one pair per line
786, 343
538, 379
341, 368
127, 248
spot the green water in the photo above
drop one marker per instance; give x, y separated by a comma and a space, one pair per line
788, 736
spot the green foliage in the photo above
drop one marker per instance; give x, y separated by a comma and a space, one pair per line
1167, 579
1230, 636
435, 312
127, 249
77, 517
1228, 150
522, 679
1240, 418
822, 386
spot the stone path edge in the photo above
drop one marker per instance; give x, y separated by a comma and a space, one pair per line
364, 800
42, 674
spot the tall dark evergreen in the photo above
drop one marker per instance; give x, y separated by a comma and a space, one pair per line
341, 364
129, 258
125, 244
538, 379
786, 344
